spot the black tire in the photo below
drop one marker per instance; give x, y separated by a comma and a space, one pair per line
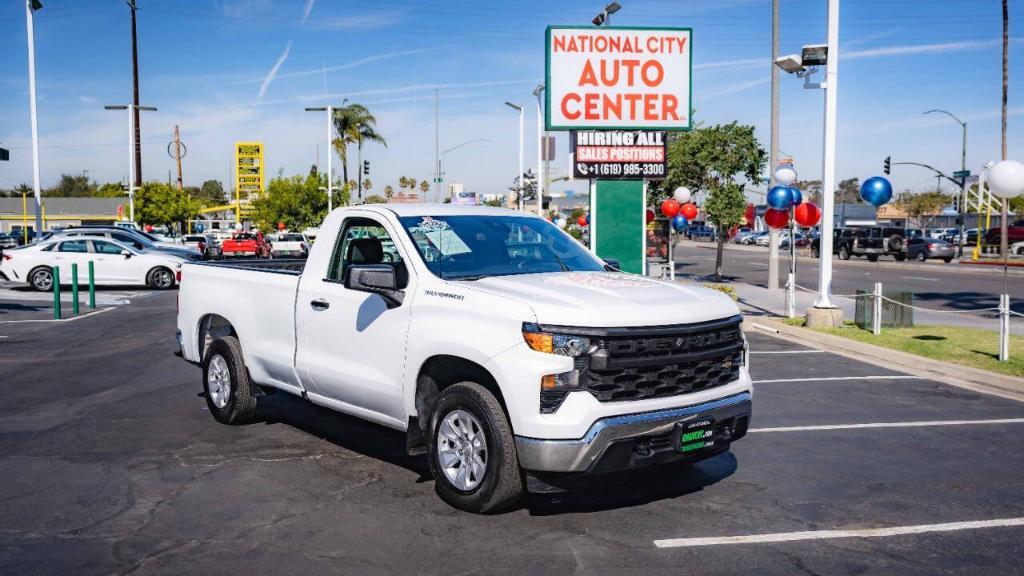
41, 279
502, 483
844, 253
895, 242
900, 257
816, 252
947, 260
239, 403
872, 257
921, 256
160, 278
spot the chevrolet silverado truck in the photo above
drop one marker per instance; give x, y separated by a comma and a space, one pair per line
509, 354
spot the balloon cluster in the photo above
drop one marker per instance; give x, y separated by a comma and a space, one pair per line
678, 209
784, 196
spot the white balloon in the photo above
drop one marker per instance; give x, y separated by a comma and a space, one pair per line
681, 195
785, 174
238, 225
1006, 179
560, 222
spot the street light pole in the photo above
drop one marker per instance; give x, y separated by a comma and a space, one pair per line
330, 132
962, 205
829, 159
519, 108
133, 185
773, 152
541, 176
30, 7
456, 147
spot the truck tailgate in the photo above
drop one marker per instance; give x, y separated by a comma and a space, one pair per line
257, 300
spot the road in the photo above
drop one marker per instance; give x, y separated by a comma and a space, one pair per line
934, 284
111, 464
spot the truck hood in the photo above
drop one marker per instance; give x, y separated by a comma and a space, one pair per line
609, 299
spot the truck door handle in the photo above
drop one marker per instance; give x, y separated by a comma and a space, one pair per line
320, 304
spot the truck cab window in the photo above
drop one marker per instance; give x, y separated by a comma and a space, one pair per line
363, 241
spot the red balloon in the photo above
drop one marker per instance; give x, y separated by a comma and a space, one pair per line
280, 226
650, 216
689, 211
807, 214
582, 221
670, 208
149, 227
776, 218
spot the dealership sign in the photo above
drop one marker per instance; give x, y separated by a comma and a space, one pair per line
616, 154
618, 78
248, 168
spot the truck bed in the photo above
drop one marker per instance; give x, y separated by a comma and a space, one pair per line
292, 266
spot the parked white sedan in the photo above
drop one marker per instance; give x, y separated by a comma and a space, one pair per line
114, 263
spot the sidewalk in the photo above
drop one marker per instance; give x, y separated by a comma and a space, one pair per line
757, 301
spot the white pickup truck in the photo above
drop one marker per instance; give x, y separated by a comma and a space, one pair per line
506, 351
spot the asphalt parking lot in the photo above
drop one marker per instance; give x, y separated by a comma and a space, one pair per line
110, 463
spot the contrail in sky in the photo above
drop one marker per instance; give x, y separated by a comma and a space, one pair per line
273, 72
307, 9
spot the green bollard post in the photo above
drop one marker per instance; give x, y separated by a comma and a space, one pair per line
74, 289
92, 287
56, 293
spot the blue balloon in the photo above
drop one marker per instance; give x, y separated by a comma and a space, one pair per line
199, 227
780, 197
798, 197
588, 218
679, 222
876, 191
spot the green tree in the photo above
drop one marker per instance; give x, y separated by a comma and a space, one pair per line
424, 187
354, 125
111, 190
212, 193
367, 184
160, 204
811, 190
922, 207
389, 191
713, 159
297, 201
849, 192
71, 186
375, 199
495, 202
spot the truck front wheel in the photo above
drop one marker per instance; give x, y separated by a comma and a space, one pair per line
226, 382
472, 452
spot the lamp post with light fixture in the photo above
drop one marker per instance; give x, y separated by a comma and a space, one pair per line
519, 193
605, 16
30, 7
541, 173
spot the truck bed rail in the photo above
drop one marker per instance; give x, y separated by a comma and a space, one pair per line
291, 266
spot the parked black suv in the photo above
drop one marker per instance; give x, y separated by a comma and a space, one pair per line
869, 242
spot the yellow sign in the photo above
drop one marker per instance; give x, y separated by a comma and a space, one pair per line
248, 169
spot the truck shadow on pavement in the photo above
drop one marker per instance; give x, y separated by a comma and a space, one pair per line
589, 494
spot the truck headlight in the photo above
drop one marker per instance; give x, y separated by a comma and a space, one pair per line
555, 387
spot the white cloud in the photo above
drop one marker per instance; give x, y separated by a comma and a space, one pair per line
273, 72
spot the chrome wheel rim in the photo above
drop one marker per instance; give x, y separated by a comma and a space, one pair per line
218, 381
462, 450
42, 280
162, 278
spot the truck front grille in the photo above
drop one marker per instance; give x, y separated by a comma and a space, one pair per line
654, 362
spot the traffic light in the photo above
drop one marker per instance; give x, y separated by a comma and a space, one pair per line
366, 167
886, 165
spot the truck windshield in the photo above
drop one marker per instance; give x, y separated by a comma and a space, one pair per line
472, 247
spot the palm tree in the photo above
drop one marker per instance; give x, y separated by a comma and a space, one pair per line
354, 125
424, 187
389, 191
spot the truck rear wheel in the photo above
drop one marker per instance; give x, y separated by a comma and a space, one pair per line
226, 383
472, 452
844, 253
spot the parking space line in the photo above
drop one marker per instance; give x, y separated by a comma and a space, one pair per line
830, 534
838, 378
920, 278
808, 351
889, 425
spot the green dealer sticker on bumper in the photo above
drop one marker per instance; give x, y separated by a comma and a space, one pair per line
697, 435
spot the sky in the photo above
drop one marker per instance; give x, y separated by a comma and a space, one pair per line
244, 70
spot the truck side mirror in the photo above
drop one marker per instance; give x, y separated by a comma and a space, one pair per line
376, 279
612, 264
126, 253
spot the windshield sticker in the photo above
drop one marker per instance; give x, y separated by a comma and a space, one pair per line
446, 241
599, 280
429, 224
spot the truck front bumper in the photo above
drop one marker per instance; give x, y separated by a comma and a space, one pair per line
634, 440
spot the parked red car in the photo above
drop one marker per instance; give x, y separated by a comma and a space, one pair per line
246, 244
1015, 233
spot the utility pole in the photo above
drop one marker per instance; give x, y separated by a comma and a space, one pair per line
773, 234
541, 175
437, 153
177, 156
30, 7
135, 98
829, 160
